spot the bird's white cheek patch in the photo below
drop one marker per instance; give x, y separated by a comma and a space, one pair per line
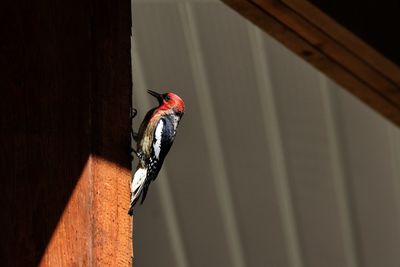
158, 135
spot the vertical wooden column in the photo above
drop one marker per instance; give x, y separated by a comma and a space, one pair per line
65, 92
111, 98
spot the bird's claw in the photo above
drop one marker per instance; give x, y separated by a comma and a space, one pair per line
133, 113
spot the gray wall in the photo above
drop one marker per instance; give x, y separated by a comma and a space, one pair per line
273, 165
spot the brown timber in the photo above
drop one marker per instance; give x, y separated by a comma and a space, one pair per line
325, 44
64, 126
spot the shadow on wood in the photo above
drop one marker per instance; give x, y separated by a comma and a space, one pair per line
66, 88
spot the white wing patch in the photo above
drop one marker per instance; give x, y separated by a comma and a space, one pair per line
158, 135
137, 183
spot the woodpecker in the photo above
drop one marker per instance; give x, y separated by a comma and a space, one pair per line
154, 140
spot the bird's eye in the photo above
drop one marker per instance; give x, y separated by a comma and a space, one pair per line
167, 98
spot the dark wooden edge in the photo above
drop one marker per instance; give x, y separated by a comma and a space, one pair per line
377, 86
111, 97
347, 39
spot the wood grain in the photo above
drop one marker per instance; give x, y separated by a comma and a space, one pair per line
346, 38
111, 98
64, 126
321, 49
73, 230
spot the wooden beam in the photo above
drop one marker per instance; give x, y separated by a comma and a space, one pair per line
336, 52
111, 100
345, 38
368, 21
64, 133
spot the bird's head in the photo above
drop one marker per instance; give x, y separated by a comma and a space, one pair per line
169, 101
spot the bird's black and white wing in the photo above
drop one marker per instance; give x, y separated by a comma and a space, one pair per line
162, 141
163, 138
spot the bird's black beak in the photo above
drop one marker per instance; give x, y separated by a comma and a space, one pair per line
156, 95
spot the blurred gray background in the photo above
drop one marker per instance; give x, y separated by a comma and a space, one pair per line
273, 165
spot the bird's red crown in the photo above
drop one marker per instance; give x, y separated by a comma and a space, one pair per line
169, 101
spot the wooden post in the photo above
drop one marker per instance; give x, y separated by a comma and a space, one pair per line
64, 126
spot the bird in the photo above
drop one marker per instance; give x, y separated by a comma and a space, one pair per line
154, 139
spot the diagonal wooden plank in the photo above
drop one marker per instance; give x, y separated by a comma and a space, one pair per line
319, 49
330, 48
346, 38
